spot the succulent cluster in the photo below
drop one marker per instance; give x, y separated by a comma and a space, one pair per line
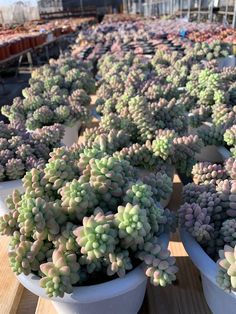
202, 50
207, 87
93, 209
21, 151
229, 139
58, 93
209, 214
78, 219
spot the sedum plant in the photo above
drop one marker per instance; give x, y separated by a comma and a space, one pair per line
75, 223
21, 151
209, 215
58, 93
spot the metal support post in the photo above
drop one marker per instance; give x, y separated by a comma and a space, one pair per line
234, 17
210, 15
181, 8
199, 11
30, 60
189, 4
47, 52
226, 11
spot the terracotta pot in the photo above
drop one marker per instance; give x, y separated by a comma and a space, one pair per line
26, 43
32, 41
20, 44
2, 52
7, 49
14, 47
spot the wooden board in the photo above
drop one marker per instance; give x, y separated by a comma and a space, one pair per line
10, 288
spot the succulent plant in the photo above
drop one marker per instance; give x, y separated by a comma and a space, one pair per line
27, 255
199, 115
185, 148
209, 214
230, 136
21, 151
207, 87
133, 225
196, 220
54, 96
211, 134
78, 198
169, 115
163, 146
226, 271
118, 263
60, 274
97, 236
228, 232
206, 172
230, 166
60, 234
159, 265
160, 183
222, 114
138, 155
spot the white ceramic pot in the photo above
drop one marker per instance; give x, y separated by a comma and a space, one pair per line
119, 296
227, 62
71, 134
6, 189
217, 299
213, 153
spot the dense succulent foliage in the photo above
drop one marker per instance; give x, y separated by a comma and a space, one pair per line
58, 93
209, 213
80, 219
203, 50
93, 209
21, 151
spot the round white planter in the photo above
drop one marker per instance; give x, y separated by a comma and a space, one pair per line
71, 134
119, 296
6, 188
213, 153
227, 62
217, 299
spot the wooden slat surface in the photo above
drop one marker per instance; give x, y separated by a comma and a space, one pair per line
184, 297
10, 288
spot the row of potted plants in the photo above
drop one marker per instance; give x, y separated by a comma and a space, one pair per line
91, 221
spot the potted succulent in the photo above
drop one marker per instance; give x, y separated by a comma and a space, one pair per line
207, 221
21, 151
82, 223
57, 94
214, 112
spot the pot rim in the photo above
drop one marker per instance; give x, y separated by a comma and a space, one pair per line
9, 183
201, 260
94, 293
